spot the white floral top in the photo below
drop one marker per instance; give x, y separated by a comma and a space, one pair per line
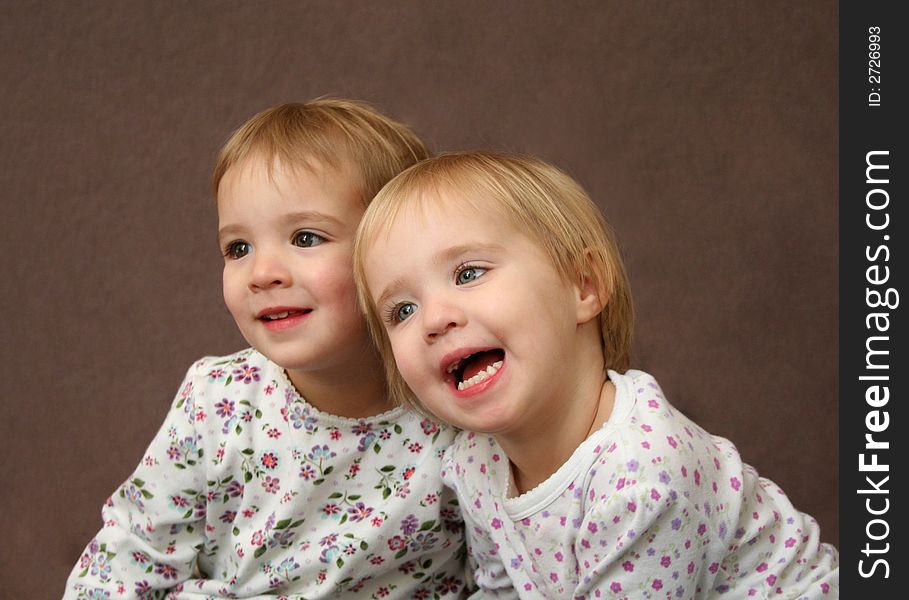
247, 490
649, 506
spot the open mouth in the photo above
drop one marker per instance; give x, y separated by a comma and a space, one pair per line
284, 314
476, 368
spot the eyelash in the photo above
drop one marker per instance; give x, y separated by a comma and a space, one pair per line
230, 251
391, 311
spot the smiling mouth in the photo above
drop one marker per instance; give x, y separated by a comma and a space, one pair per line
278, 316
476, 368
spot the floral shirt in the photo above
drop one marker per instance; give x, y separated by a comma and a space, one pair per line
649, 506
247, 490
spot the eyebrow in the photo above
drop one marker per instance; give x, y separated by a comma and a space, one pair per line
442, 258
305, 216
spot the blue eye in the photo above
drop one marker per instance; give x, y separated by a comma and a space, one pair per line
307, 239
237, 249
468, 274
405, 311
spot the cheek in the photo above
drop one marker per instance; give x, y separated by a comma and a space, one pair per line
334, 284
230, 291
408, 364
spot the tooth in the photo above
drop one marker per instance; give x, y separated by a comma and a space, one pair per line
497, 364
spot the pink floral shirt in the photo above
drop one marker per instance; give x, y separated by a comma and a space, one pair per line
649, 506
247, 490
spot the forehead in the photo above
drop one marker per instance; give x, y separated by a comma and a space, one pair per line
257, 182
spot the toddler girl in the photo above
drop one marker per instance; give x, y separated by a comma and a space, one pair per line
284, 469
498, 289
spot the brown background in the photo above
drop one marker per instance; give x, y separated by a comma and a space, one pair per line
706, 131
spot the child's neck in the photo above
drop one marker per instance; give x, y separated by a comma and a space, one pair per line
344, 392
564, 429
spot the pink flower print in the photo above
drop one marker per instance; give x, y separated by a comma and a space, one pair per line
631, 506
716, 463
554, 577
496, 458
269, 460
257, 538
628, 566
429, 427
735, 483
761, 567
714, 566
559, 556
307, 472
702, 529
646, 427
431, 498
616, 587
246, 374
654, 494
771, 579
415, 447
331, 510
691, 567
653, 404
483, 468
645, 445
397, 543
271, 484
225, 408
790, 542
620, 484
592, 527
216, 374
496, 523
269, 389
665, 561
672, 441
825, 587
273, 433
697, 477
657, 584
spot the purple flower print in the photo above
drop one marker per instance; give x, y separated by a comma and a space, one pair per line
166, 571
632, 465
448, 585
423, 542
359, 512
235, 489
247, 374
409, 525
225, 408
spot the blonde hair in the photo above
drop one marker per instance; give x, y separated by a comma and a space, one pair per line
331, 131
542, 202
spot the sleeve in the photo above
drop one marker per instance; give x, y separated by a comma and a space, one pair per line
642, 543
153, 524
484, 567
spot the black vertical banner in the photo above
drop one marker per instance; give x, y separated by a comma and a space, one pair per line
874, 372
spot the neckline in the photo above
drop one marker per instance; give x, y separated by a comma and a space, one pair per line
541, 496
388, 415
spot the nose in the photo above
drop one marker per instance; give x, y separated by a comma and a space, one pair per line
440, 317
268, 271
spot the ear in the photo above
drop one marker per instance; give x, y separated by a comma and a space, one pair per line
590, 293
